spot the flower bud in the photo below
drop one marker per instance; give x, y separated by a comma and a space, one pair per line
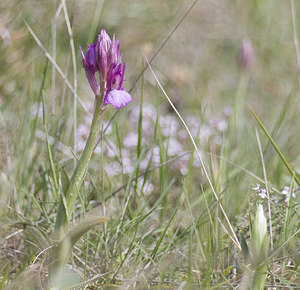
90, 66
103, 53
246, 55
259, 250
259, 231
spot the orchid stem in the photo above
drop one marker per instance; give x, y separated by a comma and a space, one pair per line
68, 199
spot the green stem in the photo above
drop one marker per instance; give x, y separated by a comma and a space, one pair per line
239, 105
68, 201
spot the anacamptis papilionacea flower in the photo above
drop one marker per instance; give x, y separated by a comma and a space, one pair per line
104, 57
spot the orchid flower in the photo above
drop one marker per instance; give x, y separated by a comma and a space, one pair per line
104, 57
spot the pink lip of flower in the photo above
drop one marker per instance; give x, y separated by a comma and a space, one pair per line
104, 57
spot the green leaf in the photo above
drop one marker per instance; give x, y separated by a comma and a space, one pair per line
66, 279
245, 249
64, 180
39, 235
62, 251
75, 234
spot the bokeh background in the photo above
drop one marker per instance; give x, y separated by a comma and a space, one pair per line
198, 68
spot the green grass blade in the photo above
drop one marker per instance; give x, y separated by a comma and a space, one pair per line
96, 20
49, 148
283, 159
154, 252
140, 134
281, 117
4, 276
39, 99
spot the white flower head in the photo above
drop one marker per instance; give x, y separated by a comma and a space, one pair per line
261, 192
287, 193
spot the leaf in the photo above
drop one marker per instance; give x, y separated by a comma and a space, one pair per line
64, 180
39, 235
245, 249
66, 279
62, 251
74, 235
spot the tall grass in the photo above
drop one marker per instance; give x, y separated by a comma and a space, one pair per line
182, 176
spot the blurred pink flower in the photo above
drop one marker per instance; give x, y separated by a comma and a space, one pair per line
246, 55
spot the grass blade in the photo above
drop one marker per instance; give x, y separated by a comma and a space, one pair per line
283, 159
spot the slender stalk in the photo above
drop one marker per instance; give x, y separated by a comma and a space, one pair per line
239, 104
296, 42
67, 202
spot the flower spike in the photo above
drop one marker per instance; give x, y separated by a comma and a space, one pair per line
105, 57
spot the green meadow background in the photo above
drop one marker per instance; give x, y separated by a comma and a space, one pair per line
167, 229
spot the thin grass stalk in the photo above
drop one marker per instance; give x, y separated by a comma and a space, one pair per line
140, 134
233, 237
281, 116
154, 252
59, 70
96, 20
128, 193
296, 42
74, 74
239, 104
49, 149
53, 30
283, 159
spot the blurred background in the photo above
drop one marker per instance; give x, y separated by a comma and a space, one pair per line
199, 68
197, 65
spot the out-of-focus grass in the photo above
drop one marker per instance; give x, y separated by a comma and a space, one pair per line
166, 228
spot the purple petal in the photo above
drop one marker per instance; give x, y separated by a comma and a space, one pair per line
114, 52
90, 57
117, 98
90, 66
